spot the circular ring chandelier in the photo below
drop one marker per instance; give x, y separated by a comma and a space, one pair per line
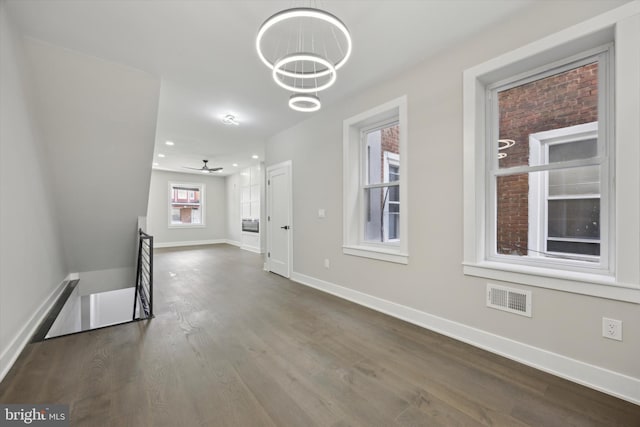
304, 12
303, 57
304, 103
306, 47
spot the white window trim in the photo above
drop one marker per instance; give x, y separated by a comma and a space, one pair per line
623, 23
539, 144
353, 215
202, 205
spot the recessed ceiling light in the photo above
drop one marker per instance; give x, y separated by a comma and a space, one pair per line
161, 155
169, 143
156, 164
230, 119
235, 165
255, 156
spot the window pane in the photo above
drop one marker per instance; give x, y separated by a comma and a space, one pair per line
583, 149
580, 248
382, 153
382, 214
512, 226
562, 100
577, 218
574, 181
185, 205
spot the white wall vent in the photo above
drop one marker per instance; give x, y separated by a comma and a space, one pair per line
509, 299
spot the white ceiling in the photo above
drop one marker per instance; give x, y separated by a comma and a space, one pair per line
204, 53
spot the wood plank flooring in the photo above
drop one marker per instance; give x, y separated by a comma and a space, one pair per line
232, 345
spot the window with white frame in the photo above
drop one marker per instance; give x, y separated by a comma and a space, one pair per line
186, 205
550, 196
548, 177
374, 222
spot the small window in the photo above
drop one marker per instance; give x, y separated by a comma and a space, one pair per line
375, 222
186, 205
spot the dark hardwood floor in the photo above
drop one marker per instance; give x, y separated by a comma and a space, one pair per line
232, 345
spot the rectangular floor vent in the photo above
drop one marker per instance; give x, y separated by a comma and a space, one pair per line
509, 299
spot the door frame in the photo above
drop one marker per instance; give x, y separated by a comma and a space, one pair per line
289, 165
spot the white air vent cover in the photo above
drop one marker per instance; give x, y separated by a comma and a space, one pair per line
509, 299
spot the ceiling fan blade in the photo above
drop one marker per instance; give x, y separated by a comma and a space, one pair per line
195, 169
215, 169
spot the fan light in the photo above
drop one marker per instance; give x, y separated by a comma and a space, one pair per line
304, 103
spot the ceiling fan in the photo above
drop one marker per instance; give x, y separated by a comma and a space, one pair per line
205, 168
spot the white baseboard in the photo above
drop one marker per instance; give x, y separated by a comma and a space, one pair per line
251, 249
601, 379
233, 242
10, 354
188, 243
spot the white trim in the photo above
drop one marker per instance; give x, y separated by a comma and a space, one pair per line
233, 242
189, 243
614, 383
382, 254
11, 353
253, 249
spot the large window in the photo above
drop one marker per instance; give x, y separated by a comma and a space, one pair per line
186, 205
551, 161
374, 176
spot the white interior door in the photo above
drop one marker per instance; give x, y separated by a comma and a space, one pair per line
279, 219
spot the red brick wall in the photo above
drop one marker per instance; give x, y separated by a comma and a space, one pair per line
390, 139
566, 99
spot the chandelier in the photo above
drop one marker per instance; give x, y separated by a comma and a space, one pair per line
304, 48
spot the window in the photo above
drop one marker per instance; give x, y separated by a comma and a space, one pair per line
381, 183
550, 174
547, 166
566, 202
186, 205
374, 221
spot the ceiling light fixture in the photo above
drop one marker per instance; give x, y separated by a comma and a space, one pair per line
304, 103
169, 143
230, 119
255, 156
161, 155
303, 57
156, 164
235, 165
306, 48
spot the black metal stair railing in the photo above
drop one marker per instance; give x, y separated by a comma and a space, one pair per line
144, 277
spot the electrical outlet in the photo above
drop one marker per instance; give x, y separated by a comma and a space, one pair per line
326, 263
612, 329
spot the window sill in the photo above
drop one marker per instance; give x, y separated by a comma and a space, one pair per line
597, 285
187, 226
377, 253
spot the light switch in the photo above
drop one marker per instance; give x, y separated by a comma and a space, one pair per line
321, 213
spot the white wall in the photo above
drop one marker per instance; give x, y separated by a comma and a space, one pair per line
31, 258
98, 119
158, 212
568, 325
234, 220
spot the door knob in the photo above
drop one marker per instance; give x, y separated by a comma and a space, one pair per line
285, 227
